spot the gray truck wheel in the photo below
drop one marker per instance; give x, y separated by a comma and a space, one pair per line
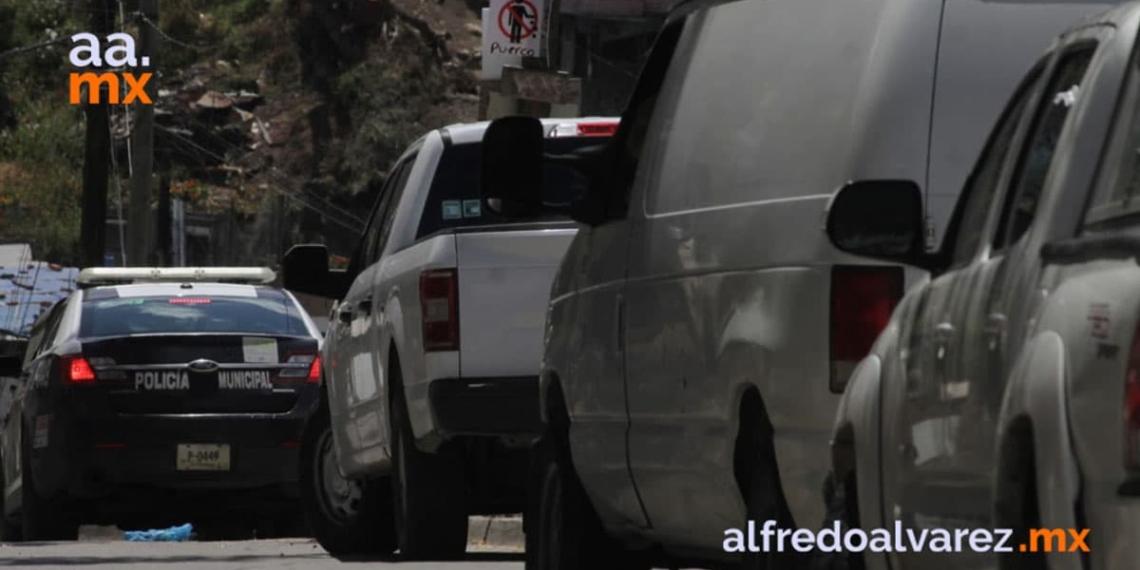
428, 492
346, 517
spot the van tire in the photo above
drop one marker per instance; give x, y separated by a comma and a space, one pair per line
429, 491
764, 497
566, 533
42, 518
345, 521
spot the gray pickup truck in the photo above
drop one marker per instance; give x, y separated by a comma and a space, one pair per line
431, 358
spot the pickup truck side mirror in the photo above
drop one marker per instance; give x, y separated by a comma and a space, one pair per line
880, 219
512, 183
305, 269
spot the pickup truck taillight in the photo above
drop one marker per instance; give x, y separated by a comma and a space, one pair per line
862, 300
439, 307
1132, 406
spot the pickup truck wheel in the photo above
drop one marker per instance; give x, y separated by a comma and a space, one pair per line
42, 518
345, 516
842, 503
428, 492
9, 530
1018, 509
568, 534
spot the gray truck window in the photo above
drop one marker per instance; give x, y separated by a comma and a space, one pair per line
1037, 158
1120, 185
983, 183
454, 197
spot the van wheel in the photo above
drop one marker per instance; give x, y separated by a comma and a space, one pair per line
567, 535
428, 491
345, 516
764, 501
42, 518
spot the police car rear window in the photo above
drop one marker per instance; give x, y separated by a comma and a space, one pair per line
174, 315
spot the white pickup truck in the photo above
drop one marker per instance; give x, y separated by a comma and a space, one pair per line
432, 353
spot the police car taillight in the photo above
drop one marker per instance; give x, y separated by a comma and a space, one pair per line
1132, 406
307, 366
76, 370
315, 371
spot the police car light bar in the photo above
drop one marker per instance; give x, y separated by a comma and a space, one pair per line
118, 275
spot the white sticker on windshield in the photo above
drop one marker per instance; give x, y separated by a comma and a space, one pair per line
472, 209
259, 350
452, 210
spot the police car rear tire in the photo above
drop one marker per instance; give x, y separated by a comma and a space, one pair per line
428, 492
42, 518
346, 517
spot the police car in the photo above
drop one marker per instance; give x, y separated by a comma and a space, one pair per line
159, 396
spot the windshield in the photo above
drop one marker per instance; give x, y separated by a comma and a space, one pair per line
454, 202
179, 315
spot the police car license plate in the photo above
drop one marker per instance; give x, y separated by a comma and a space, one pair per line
203, 457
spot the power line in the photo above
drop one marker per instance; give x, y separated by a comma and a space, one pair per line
22, 50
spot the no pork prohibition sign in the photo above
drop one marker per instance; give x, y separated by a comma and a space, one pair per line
518, 20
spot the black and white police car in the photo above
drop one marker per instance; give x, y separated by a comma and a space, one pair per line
159, 396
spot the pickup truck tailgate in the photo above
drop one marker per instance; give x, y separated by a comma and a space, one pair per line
505, 277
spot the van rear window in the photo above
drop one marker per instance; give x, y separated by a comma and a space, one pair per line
174, 315
453, 200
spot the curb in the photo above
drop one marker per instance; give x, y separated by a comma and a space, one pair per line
502, 531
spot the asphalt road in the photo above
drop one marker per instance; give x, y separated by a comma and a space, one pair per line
248, 555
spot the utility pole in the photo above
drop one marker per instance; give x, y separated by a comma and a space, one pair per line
97, 155
142, 142
163, 227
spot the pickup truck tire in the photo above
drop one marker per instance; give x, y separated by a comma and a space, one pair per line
42, 518
568, 534
346, 517
428, 491
9, 530
842, 503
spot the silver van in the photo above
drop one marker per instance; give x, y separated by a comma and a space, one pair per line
702, 327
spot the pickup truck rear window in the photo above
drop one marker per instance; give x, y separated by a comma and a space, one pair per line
173, 315
453, 201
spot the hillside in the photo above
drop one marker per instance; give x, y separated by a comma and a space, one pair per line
276, 119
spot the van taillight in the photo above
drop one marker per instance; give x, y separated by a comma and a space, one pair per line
439, 309
862, 300
76, 370
1132, 405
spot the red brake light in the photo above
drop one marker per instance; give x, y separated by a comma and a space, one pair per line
315, 371
76, 370
189, 301
439, 309
862, 300
1132, 405
597, 129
